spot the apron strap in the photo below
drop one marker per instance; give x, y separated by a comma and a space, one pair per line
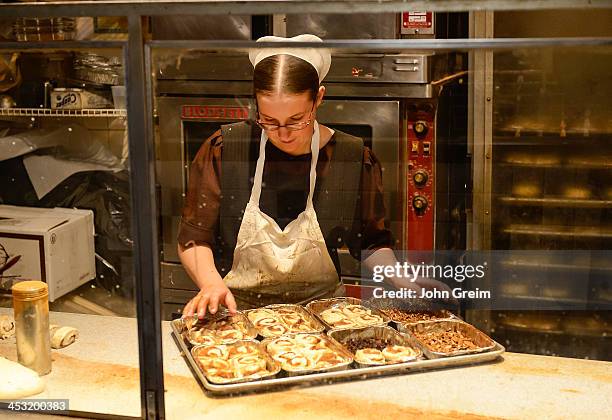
314, 149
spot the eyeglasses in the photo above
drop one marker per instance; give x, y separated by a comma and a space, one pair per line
291, 127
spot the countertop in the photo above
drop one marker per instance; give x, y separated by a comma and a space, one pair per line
99, 373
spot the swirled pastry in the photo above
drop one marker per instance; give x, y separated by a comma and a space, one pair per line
332, 315
310, 340
299, 362
257, 314
367, 319
327, 358
283, 356
229, 336
216, 351
205, 337
273, 330
399, 353
369, 356
281, 344
301, 328
292, 319
242, 350
266, 322
249, 365
353, 310
350, 316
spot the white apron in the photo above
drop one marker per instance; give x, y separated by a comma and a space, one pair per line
274, 265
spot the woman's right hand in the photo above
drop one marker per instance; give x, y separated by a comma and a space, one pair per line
213, 293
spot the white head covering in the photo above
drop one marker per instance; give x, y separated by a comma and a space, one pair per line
319, 58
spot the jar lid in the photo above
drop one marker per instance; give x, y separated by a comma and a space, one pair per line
30, 289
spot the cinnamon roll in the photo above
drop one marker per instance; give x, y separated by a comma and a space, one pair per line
219, 352
242, 350
369, 356
299, 362
273, 330
344, 323
257, 314
204, 337
327, 358
283, 356
310, 340
281, 344
292, 319
367, 319
301, 328
352, 310
332, 315
249, 364
227, 336
399, 353
266, 321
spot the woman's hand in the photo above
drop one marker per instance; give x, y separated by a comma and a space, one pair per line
213, 293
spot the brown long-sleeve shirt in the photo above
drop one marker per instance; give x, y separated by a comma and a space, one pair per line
288, 177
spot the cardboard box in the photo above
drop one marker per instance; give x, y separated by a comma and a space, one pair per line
53, 245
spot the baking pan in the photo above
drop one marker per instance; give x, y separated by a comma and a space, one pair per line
272, 365
387, 334
316, 326
480, 339
318, 306
192, 324
330, 343
282, 381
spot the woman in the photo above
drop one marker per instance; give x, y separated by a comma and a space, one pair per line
313, 190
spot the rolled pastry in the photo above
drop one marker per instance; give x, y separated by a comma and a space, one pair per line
352, 310
7, 327
242, 350
281, 345
273, 330
62, 336
228, 336
399, 353
369, 356
212, 352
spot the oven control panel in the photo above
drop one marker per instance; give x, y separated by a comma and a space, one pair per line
420, 176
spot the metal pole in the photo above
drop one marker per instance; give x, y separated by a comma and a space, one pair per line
145, 225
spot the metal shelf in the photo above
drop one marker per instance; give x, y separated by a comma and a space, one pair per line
560, 165
46, 112
538, 265
555, 202
560, 231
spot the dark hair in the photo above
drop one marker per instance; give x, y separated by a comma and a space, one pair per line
285, 73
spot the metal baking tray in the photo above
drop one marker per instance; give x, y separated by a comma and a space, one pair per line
191, 323
479, 338
318, 306
317, 327
385, 333
281, 381
331, 343
272, 365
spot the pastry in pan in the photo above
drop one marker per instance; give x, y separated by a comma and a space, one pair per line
399, 353
304, 352
350, 316
221, 363
370, 356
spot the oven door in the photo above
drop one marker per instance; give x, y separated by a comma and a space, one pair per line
184, 124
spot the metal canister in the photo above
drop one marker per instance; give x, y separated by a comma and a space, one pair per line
31, 311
